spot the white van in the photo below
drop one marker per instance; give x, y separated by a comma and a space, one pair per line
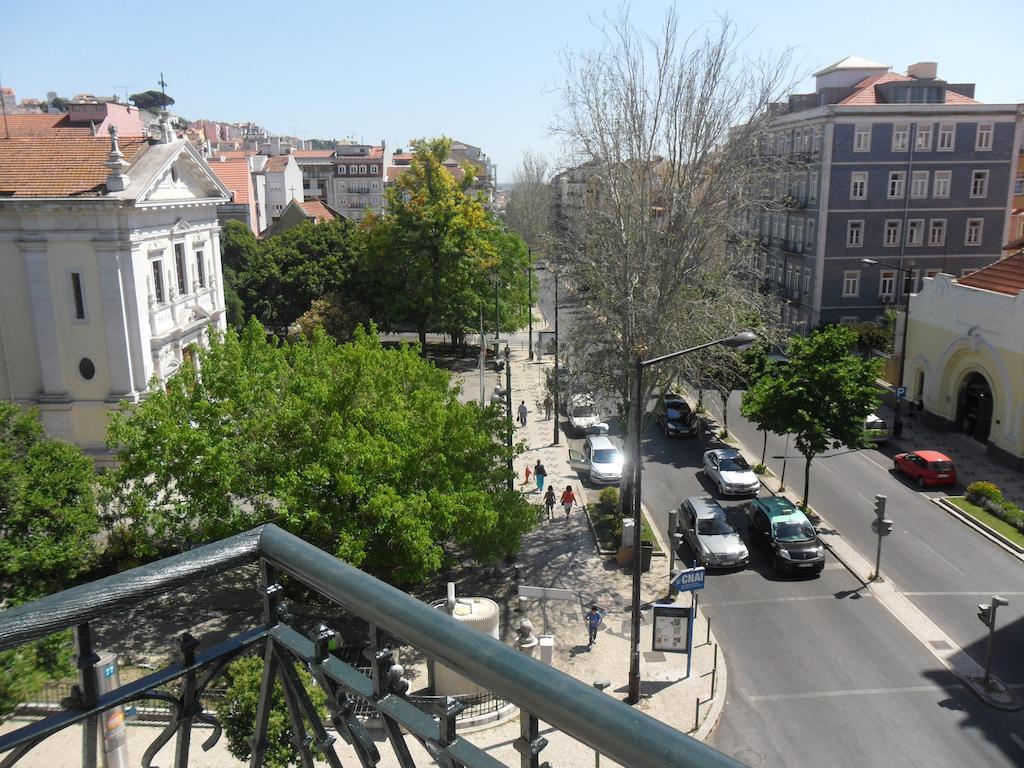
600, 461
583, 417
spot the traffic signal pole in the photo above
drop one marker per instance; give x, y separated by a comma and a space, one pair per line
883, 527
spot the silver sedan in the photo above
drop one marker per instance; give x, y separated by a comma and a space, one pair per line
730, 472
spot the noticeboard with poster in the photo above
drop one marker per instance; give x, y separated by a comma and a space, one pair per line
671, 628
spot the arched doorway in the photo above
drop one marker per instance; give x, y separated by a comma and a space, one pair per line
919, 387
974, 407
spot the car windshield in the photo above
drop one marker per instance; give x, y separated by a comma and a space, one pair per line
940, 466
793, 531
582, 411
875, 424
676, 414
605, 456
714, 526
734, 464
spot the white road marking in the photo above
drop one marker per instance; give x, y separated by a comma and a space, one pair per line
724, 603
855, 692
985, 593
1017, 740
880, 466
938, 555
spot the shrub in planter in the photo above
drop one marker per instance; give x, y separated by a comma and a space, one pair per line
760, 469
983, 490
608, 499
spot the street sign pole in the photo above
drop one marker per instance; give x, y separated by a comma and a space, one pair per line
689, 632
883, 527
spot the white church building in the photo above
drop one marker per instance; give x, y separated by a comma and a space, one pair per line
109, 271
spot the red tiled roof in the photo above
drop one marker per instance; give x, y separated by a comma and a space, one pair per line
1006, 276
46, 124
318, 211
232, 153
865, 95
313, 152
58, 166
234, 174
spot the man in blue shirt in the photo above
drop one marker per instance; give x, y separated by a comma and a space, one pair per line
593, 618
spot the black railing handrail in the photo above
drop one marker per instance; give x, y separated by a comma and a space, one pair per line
592, 717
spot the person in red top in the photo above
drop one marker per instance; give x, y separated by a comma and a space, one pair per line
568, 499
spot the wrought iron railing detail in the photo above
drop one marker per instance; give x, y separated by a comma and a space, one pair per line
541, 692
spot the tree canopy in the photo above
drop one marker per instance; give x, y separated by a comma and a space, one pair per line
821, 396
151, 100
363, 451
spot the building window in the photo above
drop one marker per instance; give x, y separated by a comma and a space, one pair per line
979, 183
341, 170
859, 185
937, 232
816, 145
352, 169
158, 281
810, 232
179, 267
862, 138
807, 279
983, 141
854, 234
974, 227
86, 368
915, 231
923, 138
893, 227
942, 180
851, 283
1018, 184
362, 169
373, 169
77, 295
200, 269
947, 133
887, 283
919, 184
812, 193
897, 180
789, 275
900, 133
909, 281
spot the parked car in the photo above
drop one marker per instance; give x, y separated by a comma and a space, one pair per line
583, 416
730, 472
786, 533
712, 538
876, 429
600, 460
675, 417
926, 467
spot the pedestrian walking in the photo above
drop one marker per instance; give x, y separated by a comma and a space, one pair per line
526, 475
523, 410
568, 499
593, 618
547, 407
539, 473
549, 502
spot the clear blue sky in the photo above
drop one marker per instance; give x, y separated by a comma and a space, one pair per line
484, 72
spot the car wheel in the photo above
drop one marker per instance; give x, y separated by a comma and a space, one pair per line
920, 482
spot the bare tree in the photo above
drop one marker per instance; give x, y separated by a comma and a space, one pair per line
529, 201
662, 136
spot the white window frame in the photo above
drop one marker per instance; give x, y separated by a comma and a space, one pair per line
918, 185
816, 141
855, 233
78, 296
181, 268
851, 283
979, 184
807, 279
947, 137
362, 170
859, 184
812, 192
201, 278
937, 225
157, 275
983, 137
898, 182
941, 183
1018, 184
862, 138
923, 138
789, 275
893, 232
900, 137
887, 283
811, 224
373, 169
915, 232
342, 170
353, 169
978, 226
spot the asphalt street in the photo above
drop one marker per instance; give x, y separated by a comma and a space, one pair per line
821, 674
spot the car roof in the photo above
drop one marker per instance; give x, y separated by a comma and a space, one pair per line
705, 506
725, 453
932, 456
674, 396
582, 400
600, 441
778, 508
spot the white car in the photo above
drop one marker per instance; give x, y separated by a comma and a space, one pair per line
583, 417
730, 472
600, 460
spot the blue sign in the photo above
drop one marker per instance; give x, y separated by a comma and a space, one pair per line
690, 579
901, 392
108, 671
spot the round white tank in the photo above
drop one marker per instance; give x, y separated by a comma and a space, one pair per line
481, 614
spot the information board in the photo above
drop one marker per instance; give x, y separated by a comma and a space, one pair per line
671, 628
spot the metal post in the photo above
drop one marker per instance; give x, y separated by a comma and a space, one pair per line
529, 289
993, 605
689, 632
483, 357
508, 410
86, 663
673, 524
708, 639
635, 425
878, 554
600, 685
497, 314
555, 423
785, 454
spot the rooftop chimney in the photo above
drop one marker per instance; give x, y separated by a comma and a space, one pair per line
923, 70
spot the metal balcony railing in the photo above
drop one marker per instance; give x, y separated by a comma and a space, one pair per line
542, 693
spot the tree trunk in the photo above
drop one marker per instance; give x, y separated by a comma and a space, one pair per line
725, 411
421, 330
807, 480
764, 448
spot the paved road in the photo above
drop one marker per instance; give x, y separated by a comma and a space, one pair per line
820, 674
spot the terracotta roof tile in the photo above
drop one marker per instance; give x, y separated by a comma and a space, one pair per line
313, 153
58, 166
865, 95
46, 124
234, 174
1006, 276
318, 211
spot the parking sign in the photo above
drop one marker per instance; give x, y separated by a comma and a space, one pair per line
901, 392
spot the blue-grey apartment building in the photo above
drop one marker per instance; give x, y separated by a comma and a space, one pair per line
908, 171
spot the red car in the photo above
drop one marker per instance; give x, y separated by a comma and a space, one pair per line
926, 467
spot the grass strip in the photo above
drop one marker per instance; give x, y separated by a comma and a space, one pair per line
984, 516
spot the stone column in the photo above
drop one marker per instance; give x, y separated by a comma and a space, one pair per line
112, 295
44, 322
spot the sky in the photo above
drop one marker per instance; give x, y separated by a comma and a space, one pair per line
484, 72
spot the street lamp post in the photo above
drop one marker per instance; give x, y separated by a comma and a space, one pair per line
555, 422
897, 420
636, 413
529, 289
508, 411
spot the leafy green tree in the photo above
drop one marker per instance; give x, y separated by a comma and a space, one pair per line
151, 100
820, 396
365, 452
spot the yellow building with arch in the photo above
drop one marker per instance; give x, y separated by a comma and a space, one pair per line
965, 356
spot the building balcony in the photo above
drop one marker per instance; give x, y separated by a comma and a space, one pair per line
394, 618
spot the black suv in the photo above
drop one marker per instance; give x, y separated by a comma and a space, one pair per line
787, 534
675, 417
